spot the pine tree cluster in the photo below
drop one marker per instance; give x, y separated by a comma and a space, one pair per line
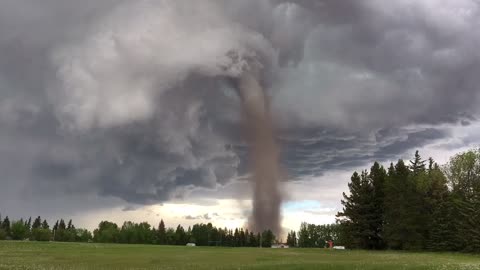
418, 206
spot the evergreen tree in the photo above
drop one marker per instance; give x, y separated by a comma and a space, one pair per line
45, 224
443, 229
61, 225
360, 211
242, 238
434, 194
236, 237
180, 236
162, 233
60, 233
396, 212
70, 232
378, 177
6, 225
3, 233
70, 225
170, 235
292, 239
37, 223
252, 242
267, 238
417, 165
28, 224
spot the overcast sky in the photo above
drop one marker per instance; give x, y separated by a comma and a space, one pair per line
124, 110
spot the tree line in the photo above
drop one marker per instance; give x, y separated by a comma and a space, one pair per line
40, 231
415, 206
134, 233
317, 236
200, 234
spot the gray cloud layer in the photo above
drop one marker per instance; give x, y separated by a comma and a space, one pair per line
130, 99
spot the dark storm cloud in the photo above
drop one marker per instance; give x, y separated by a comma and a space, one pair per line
93, 100
314, 152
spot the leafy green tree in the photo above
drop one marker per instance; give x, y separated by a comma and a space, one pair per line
107, 232
303, 236
144, 233
18, 230
83, 235
41, 234
463, 174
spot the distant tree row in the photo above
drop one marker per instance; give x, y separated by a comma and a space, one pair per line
316, 236
134, 233
200, 234
40, 231
415, 206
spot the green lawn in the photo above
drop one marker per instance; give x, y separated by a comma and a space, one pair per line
35, 255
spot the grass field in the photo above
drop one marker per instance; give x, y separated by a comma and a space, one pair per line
34, 255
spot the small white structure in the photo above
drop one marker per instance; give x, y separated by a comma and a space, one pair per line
280, 246
338, 247
191, 245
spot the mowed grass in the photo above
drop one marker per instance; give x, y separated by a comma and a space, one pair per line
35, 255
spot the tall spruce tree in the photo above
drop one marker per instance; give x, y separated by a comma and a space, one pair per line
378, 176
37, 223
400, 212
417, 165
162, 233
6, 225
45, 225
359, 211
436, 207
